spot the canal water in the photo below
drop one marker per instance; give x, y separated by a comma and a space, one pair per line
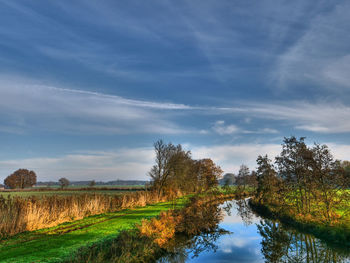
242, 236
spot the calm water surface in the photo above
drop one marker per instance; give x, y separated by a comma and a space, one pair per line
243, 237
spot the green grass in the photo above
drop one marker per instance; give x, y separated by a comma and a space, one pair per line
57, 243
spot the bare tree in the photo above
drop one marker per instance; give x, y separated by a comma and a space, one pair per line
161, 170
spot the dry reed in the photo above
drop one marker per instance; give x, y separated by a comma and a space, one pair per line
19, 214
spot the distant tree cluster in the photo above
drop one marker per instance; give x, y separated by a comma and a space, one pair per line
305, 178
64, 182
22, 178
175, 170
245, 178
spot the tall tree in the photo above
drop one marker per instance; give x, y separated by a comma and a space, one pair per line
268, 184
293, 167
165, 160
21, 178
243, 177
208, 173
329, 180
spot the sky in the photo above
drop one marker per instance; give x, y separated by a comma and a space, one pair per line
87, 87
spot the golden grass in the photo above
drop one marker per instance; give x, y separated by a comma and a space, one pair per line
20, 214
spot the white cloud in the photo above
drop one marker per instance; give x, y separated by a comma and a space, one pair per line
121, 164
134, 163
29, 106
322, 117
230, 157
26, 106
222, 129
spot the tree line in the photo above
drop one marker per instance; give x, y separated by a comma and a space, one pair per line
175, 171
305, 178
24, 178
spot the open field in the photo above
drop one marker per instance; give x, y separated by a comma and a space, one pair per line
54, 244
59, 192
71, 190
87, 186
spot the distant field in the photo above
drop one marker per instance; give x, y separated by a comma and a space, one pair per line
96, 186
72, 190
57, 192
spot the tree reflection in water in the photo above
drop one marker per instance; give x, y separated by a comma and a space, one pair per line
282, 245
290, 246
207, 233
279, 244
244, 211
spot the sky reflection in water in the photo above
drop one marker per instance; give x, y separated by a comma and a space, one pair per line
255, 240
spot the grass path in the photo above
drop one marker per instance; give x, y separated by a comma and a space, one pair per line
56, 243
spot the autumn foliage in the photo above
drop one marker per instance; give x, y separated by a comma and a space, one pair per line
21, 178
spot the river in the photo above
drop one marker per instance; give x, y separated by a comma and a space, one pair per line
242, 236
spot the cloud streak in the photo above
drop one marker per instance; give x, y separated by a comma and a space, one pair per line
320, 56
26, 105
62, 109
126, 163
99, 165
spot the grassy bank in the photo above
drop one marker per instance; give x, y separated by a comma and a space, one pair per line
158, 236
19, 214
335, 234
58, 243
63, 242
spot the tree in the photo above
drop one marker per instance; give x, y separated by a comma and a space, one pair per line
21, 178
64, 182
294, 168
208, 173
242, 178
329, 180
346, 166
175, 171
268, 184
161, 170
92, 183
229, 179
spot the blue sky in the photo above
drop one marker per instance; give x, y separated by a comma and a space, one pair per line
86, 87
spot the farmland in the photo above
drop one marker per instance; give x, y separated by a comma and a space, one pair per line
71, 190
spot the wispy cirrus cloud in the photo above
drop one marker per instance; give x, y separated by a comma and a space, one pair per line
41, 107
321, 56
26, 105
320, 117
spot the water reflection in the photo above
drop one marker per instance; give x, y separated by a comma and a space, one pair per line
282, 245
242, 237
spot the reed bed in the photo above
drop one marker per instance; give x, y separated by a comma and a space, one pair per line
18, 214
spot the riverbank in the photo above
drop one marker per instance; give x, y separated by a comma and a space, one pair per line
58, 243
156, 237
336, 235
